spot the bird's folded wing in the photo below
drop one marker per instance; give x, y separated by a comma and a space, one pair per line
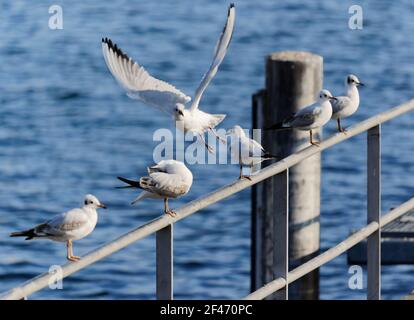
219, 54
166, 184
340, 104
138, 83
68, 221
255, 148
306, 116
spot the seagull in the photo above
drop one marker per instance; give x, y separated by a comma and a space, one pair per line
346, 105
248, 151
68, 226
311, 117
140, 85
167, 179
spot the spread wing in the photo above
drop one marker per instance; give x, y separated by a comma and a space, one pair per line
138, 83
340, 104
219, 54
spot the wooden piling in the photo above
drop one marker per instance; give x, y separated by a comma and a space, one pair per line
293, 80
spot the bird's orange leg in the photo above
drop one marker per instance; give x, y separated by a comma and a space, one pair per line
167, 210
241, 177
223, 141
70, 255
340, 129
314, 143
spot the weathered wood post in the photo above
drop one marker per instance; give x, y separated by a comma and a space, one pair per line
293, 80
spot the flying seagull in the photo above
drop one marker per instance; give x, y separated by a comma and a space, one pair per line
165, 180
311, 117
68, 226
347, 105
248, 151
140, 85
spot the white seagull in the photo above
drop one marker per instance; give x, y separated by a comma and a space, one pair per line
140, 85
68, 226
311, 117
248, 151
346, 105
167, 179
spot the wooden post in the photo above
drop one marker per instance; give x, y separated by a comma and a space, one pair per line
293, 80
374, 212
164, 256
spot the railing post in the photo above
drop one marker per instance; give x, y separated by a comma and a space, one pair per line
374, 212
281, 227
164, 247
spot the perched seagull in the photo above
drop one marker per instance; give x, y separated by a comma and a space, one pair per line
68, 226
248, 151
140, 85
167, 179
311, 117
346, 105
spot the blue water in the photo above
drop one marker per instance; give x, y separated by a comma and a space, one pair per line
67, 129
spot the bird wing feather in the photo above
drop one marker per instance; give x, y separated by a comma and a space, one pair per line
341, 103
68, 221
138, 83
165, 184
219, 54
306, 116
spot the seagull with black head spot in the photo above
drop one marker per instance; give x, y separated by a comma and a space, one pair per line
66, 227
309, 118
347, 105
140, 85
247, 151
168, 179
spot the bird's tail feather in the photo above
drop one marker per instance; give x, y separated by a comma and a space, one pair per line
124, 187
29, 234
131, 183
216, 119
278, 126
271, 156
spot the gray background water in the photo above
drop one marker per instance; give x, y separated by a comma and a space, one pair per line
67, 129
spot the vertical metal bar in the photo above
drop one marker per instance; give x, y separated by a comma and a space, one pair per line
374, 213
257, 203
281, 233
164, 246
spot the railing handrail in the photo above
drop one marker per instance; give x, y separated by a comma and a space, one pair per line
159, 223
331, 253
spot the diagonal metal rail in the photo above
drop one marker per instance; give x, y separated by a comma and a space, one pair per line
164, 221
331, 253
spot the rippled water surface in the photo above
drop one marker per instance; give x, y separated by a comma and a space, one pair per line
67, 129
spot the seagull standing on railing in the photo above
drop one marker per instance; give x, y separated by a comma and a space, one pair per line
167, 179
248, 151
346, 105
68, 226
310, 117
140, 85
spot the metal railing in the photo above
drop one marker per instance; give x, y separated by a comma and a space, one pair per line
163, 226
